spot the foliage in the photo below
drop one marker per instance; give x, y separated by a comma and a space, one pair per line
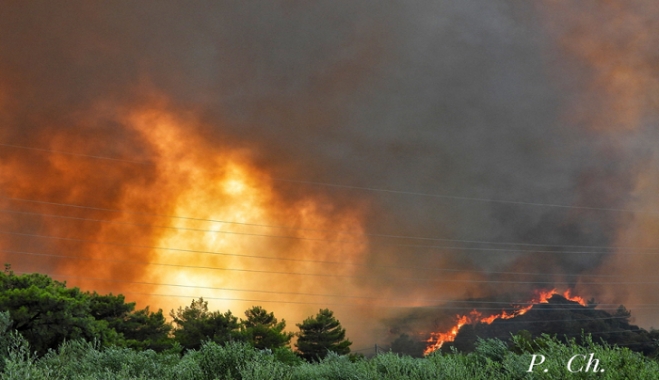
262, 330
225, 361
321, 334
5, 324
91, 336
195, 324
46, 312
287, 356
622, 313
491, 359
405, 345
141, 329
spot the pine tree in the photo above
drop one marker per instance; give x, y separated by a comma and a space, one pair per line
195, 324
262, 330
321, 334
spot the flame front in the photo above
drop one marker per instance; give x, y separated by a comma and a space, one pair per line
437, 339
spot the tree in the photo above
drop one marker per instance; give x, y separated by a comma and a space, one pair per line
262, 330
623, 314
195, 323
405, 345
46, 312
109, 307
141, 329
144, 329
321, 334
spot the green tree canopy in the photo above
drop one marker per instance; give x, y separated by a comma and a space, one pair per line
145, 329
321, 334
262, 330
195, 324
141, 329
46, 312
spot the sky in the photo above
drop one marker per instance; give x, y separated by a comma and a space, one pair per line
369, 157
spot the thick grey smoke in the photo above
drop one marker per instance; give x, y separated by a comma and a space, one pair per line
465, 99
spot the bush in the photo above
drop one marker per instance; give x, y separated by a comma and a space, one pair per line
225, 362
492, 359
287, 356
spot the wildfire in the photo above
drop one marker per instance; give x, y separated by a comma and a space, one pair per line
229, 204
437, 339
182, 217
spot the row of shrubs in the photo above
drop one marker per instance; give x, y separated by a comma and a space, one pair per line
492, 359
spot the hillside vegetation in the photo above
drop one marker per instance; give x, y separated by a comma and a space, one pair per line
49, 331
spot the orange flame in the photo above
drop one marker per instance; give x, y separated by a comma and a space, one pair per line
191, 218
437, 339
226, 188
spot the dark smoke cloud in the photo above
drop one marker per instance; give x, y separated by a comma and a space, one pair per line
469, 99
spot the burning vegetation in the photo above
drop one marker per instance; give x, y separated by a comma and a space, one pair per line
562, 315
437, 339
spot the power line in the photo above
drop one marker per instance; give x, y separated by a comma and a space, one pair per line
509, 304
282, 227
78, 154
302, 302
322, 274
424, 268
294, 260
402, 192
170, 265
227, 254
442, 307
377, 235
299, 237
364, 188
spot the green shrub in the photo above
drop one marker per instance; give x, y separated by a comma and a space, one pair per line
287, 356
224, 362
491, 359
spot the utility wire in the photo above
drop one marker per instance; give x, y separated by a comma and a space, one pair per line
423, 268
364, 188
377, 235
303, 302
77, 154
401, 192
303, 238
222, 253
507, 304
146, 263
294, 237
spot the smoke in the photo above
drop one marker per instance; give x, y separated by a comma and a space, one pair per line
485, 114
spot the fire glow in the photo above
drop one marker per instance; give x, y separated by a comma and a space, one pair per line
437, 339
237, 214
